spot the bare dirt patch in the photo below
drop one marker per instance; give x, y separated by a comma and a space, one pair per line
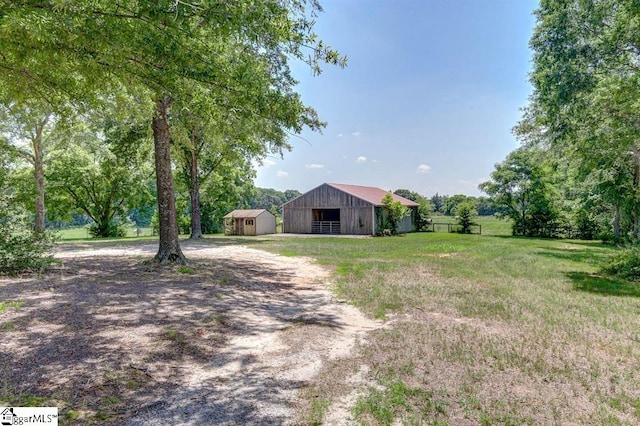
231, 339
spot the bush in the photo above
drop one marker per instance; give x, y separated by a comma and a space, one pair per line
626, 264
21, 250
25, 252
110, 230
465, 215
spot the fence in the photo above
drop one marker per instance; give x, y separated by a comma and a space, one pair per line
451, 227
325, 227
548, 232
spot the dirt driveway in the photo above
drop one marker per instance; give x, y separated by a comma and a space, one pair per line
232, 339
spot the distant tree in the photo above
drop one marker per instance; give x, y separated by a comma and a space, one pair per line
27, 128
291, 194
141, 216
484, 206
465, 216
104, 170
521, 188
21, 250
438, 202
272, 199
396, 211
452, 202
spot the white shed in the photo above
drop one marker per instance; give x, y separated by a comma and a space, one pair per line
249, 222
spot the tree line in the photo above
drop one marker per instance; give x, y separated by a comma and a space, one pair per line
578, 166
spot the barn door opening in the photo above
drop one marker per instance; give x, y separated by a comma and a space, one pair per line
326, 221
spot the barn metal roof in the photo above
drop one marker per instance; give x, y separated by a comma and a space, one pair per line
371, 194
245, 213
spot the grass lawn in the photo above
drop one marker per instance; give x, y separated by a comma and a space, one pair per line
484, 329
82, 233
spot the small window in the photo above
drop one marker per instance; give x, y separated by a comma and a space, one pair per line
248, 222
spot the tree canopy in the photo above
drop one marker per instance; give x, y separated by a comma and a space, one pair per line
583, 116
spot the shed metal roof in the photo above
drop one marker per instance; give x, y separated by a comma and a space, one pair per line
245, 213
371, 194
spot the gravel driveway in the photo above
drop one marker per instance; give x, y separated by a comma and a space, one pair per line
230, 340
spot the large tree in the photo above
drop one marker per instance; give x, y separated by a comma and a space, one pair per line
237, 50
586, 82
215, 141
103, 168
521, 189
28, 129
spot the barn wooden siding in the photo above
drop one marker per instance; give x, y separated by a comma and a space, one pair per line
356, 215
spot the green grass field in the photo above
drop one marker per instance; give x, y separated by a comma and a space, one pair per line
82, 233
486, 329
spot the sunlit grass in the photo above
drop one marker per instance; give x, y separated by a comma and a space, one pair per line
82, 233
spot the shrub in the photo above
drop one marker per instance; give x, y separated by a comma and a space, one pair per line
465, 215
21, 250
396, 211
626, 264
110, 230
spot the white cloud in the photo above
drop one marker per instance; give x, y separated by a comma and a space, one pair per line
424, 169
314, 166
267, 162
340, 135
375, 161
361, 159
282, 174
356, 134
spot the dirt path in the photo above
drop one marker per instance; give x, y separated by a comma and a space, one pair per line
230, 341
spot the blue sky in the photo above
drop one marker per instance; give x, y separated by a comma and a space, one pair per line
426, 103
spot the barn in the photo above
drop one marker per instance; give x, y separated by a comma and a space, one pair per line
249, 222
334, 208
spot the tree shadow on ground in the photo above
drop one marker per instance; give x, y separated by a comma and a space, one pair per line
113, 336
606, 286
590, 256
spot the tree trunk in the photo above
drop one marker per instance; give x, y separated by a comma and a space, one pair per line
38, 167
169, 245
616, 222
194, 192
636, 184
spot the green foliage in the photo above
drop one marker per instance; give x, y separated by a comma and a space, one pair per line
425, 207
625, 264
395, 210
584, 108
223, 61
22, 250
452, 203
271, 199
521, 189
396, 400
108, 230
141, 216
102, 170
465, 216
587, 225
319, 407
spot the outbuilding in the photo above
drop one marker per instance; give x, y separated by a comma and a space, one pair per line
334, 208
249, 222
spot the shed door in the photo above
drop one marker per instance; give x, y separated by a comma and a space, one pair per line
249, 227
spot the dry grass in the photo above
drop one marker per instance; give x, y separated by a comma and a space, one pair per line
487, 330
